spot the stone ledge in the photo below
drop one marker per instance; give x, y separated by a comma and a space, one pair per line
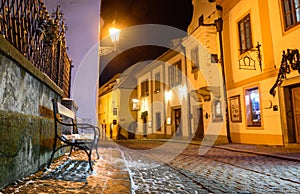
11, 52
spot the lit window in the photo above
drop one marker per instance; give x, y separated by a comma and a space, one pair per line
252, 102
135, 104
175, 75
115, 111
245, 36
157, 83
291, 12
217, 111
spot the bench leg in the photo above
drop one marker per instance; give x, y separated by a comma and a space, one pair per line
97, 152
90, 162
71, 150
50, 161
89, 153
97, 149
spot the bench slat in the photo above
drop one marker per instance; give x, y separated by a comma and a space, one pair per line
65, 111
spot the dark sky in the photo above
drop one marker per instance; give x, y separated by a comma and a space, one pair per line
126, 13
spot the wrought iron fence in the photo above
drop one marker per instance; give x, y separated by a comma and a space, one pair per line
27, 25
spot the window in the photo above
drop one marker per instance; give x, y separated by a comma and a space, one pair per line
157, 83
214, 58
245, 34
291, 13
217, 111
174, 73
195, 59
252, 102
135, 104
145, 88
158, 121
115, 111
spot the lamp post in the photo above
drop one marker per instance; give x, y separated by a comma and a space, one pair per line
218, 23
219, 27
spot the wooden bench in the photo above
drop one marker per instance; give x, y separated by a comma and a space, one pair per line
83, 136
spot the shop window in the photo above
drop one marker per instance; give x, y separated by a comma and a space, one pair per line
291, 13
253, 110
245, 36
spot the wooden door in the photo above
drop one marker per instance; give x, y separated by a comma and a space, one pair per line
177, 119
198, 123
296, 110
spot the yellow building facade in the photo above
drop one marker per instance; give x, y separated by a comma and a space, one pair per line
257, 51
181, 92
117, 111
256, 32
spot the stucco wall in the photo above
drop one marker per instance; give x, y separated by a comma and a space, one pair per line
26, 125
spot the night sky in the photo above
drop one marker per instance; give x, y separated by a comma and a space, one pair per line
128, 13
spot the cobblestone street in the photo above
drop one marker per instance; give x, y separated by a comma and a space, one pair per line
165, 167
218, 171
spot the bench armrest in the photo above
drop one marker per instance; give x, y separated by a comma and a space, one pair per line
86, 128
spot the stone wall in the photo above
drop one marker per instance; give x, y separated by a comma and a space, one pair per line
26, 124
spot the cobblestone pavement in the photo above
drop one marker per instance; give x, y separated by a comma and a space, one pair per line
291, 152
70, 175
217, 171
168, 167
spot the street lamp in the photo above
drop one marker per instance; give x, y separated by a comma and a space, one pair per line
114, 34
218, 23
219, 27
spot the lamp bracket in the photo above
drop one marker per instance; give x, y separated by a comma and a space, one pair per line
105, 50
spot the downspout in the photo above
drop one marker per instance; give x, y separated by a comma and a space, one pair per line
164, 99
151, 100
188, 96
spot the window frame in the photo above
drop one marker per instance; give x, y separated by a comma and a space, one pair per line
157, 82
217, 110
115, 111
291, 12
145, 88
195, 59
245, 34
175, 74
158, 124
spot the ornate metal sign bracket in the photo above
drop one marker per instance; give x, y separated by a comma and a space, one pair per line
289, 60
247, 62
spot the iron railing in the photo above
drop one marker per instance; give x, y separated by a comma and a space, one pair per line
27, 25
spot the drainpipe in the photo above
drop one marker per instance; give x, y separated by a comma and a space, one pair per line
188, 96
151, 100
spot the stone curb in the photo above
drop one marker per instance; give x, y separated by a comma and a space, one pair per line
279, 156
